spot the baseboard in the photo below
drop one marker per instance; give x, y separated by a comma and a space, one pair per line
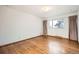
20, 41
60, 37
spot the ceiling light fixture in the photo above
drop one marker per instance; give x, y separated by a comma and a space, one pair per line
46, 8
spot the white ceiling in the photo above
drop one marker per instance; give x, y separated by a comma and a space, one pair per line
54, 11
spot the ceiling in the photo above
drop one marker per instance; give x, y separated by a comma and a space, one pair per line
53, 10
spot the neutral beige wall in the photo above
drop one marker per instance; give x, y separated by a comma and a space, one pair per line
16, 25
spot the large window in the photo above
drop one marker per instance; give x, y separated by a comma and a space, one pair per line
56, 23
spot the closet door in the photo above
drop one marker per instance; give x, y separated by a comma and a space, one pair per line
73, 33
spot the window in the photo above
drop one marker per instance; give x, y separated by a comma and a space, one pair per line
56, 23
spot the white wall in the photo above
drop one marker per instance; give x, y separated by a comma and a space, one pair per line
64, 32
16, 25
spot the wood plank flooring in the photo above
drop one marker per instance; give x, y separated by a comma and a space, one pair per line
42, 45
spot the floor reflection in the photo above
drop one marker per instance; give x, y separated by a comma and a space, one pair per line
55, 47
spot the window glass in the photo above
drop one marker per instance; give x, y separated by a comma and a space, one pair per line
58, 24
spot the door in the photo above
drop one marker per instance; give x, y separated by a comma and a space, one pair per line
73, 33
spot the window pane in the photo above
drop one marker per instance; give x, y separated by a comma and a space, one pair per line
58, 24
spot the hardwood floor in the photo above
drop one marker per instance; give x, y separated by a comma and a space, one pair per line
42, 45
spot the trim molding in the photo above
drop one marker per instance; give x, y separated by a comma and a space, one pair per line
20, 41
59, 37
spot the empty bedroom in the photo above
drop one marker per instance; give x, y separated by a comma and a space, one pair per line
39, 29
